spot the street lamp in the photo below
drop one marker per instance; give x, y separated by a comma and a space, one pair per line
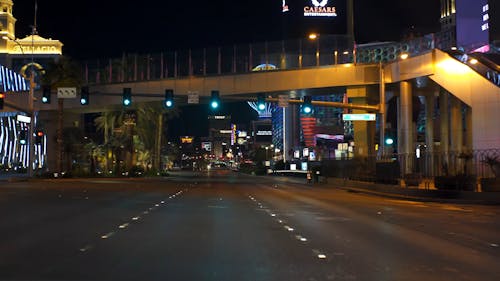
315, 36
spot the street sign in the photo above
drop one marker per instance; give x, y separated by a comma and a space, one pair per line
283, 100
66, 93
23, 119
193, 98
359, 117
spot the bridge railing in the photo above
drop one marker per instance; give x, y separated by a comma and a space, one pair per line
245, 58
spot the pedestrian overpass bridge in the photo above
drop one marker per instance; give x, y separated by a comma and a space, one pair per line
468, 83
438, 76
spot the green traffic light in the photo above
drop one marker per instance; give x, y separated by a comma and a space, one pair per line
215, 99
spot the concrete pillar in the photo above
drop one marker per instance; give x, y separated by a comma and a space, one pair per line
456, 134
429, 133
468, 129
406, 141
364, 132
468, 138
445, 132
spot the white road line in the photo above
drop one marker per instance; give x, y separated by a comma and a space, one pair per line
301, 238
125, 225
107, 235
86, 248
319, 254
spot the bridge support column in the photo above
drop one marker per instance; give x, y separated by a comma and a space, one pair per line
406, 145
468, 138
444, 142
456, 131
430, 99
364, 132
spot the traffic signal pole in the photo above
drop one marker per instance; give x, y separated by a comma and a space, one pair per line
372, 108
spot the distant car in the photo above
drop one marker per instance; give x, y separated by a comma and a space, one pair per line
217, 166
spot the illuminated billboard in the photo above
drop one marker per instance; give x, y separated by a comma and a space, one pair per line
263, 133
320, 8
324, 17
472, 19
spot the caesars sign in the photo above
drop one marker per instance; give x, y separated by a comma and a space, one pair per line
320, 8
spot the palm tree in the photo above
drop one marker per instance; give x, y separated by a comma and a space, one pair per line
150, 127
107, 123
63, 72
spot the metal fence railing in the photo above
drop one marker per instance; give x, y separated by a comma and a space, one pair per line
244, 58
400, 166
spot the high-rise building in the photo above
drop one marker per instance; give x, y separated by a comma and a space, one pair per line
220, 134
469, 24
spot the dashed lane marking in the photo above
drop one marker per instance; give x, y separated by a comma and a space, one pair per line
107, 235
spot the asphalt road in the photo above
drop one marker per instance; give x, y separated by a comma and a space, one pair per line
226, 226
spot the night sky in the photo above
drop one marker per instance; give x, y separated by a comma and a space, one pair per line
100, 29
91, 28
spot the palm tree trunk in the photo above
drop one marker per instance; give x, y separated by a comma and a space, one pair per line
60, 136
159, 132
106, 142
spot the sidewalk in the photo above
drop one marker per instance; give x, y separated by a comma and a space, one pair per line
13, 177
405, 193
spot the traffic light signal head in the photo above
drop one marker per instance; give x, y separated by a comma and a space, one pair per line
127, 96
307, 105
261, 102
39, 136
46, 94
84, 96
169, 98
215, 100
2, 98
22, 137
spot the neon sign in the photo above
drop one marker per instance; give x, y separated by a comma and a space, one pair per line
485, 26
320, 9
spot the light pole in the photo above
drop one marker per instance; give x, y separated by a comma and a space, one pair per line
381, 142
315, 36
